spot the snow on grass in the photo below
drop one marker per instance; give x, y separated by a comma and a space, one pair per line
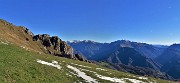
4, 43
115, 79
53, 64
68, 75
87, 70
73, 73
89, 79
105, 77
144, 78
122, 80
82, 74
81, 65
101, 69
110, 79
134, 80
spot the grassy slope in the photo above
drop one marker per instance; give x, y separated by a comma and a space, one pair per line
18, 66
17, 35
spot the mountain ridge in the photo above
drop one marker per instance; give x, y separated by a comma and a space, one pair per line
126, 43
125, 55
170, 60
23, 37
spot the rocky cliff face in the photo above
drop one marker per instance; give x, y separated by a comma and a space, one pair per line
54, 45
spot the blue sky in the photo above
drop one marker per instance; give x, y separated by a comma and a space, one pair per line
150, 21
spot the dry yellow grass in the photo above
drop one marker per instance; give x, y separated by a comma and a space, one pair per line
17, 35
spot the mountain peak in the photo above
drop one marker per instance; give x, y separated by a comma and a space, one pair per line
82, 41
175, 47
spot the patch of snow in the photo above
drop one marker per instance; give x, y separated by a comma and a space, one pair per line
114, 79
101, 69
82, 74
4, 43
110, 79
81, 65
144, 78
122, 80
87, 70
68, 75
134, 80
73, 73
53, 64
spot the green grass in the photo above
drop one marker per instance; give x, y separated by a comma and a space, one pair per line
19, 66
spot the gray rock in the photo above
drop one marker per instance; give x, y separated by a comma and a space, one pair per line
27, 31
54, 45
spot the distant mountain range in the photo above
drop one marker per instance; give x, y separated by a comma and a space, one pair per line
170, 60
90, 48
133, 57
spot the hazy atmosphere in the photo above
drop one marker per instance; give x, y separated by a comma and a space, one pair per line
150, 21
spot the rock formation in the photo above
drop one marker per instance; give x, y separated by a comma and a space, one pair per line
55, 46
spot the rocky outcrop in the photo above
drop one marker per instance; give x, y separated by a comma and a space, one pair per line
55, 46
81, 58
41, 44
27, 31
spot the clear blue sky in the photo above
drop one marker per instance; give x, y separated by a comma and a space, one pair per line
151, 21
